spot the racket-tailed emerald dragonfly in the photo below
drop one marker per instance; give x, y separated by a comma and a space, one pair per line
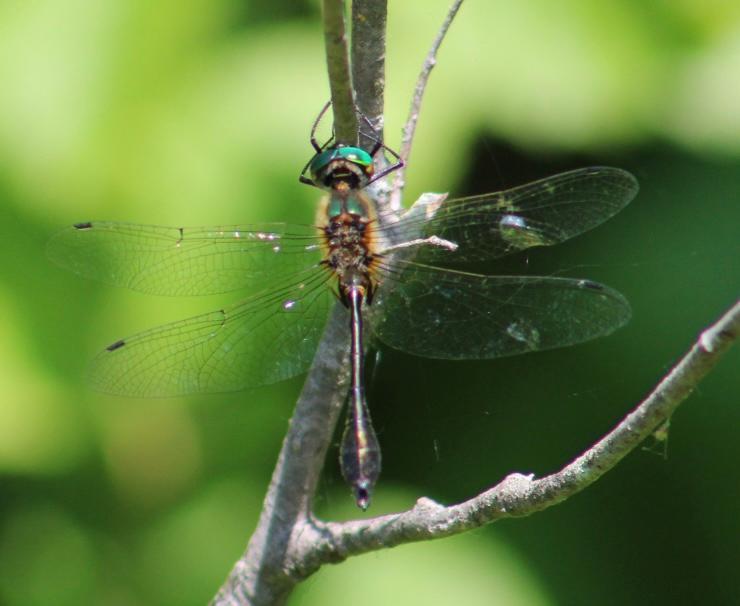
388, 271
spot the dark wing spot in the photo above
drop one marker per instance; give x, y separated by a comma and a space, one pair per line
116, 345
87, 225
591, 285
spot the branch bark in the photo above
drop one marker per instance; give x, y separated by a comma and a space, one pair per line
314, 543
368, 60
289, 544
340, 80
264, 575
520, 495
268, 570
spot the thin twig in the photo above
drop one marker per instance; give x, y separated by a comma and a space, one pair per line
368, 60
340, 81
521, 495
410, 128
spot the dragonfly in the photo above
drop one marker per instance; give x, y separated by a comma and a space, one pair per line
398, 277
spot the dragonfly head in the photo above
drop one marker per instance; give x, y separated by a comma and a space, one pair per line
341, 167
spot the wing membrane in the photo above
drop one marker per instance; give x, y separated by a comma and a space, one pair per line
541, 213
418, 308
453, 315
261, 340
184, 261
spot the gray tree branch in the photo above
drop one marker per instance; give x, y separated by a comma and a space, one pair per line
266, 573
369, 19
289, 544
520, 495
340, 80
268, 570
368, 60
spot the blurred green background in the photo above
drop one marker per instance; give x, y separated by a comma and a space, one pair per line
198, 113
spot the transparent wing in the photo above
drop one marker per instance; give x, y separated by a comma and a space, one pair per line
447, 314
264, 339
541, 213
183, 261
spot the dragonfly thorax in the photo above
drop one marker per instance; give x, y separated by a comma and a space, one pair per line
348, 242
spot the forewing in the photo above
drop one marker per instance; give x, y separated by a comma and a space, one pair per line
541, 213
264, 339
183, 261
453, 315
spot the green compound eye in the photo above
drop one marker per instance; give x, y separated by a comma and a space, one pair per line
356, 155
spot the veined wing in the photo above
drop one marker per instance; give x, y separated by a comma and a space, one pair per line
184, 261
266, 338
541, 213
446, 314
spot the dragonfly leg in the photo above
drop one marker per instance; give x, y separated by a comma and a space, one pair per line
431, 241
314, 142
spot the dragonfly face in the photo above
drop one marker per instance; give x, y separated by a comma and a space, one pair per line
342, 164
337, 164
417, 305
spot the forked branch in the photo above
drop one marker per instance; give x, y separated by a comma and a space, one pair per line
520, 495
289, 544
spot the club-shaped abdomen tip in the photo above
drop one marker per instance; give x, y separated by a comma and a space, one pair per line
363, 490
